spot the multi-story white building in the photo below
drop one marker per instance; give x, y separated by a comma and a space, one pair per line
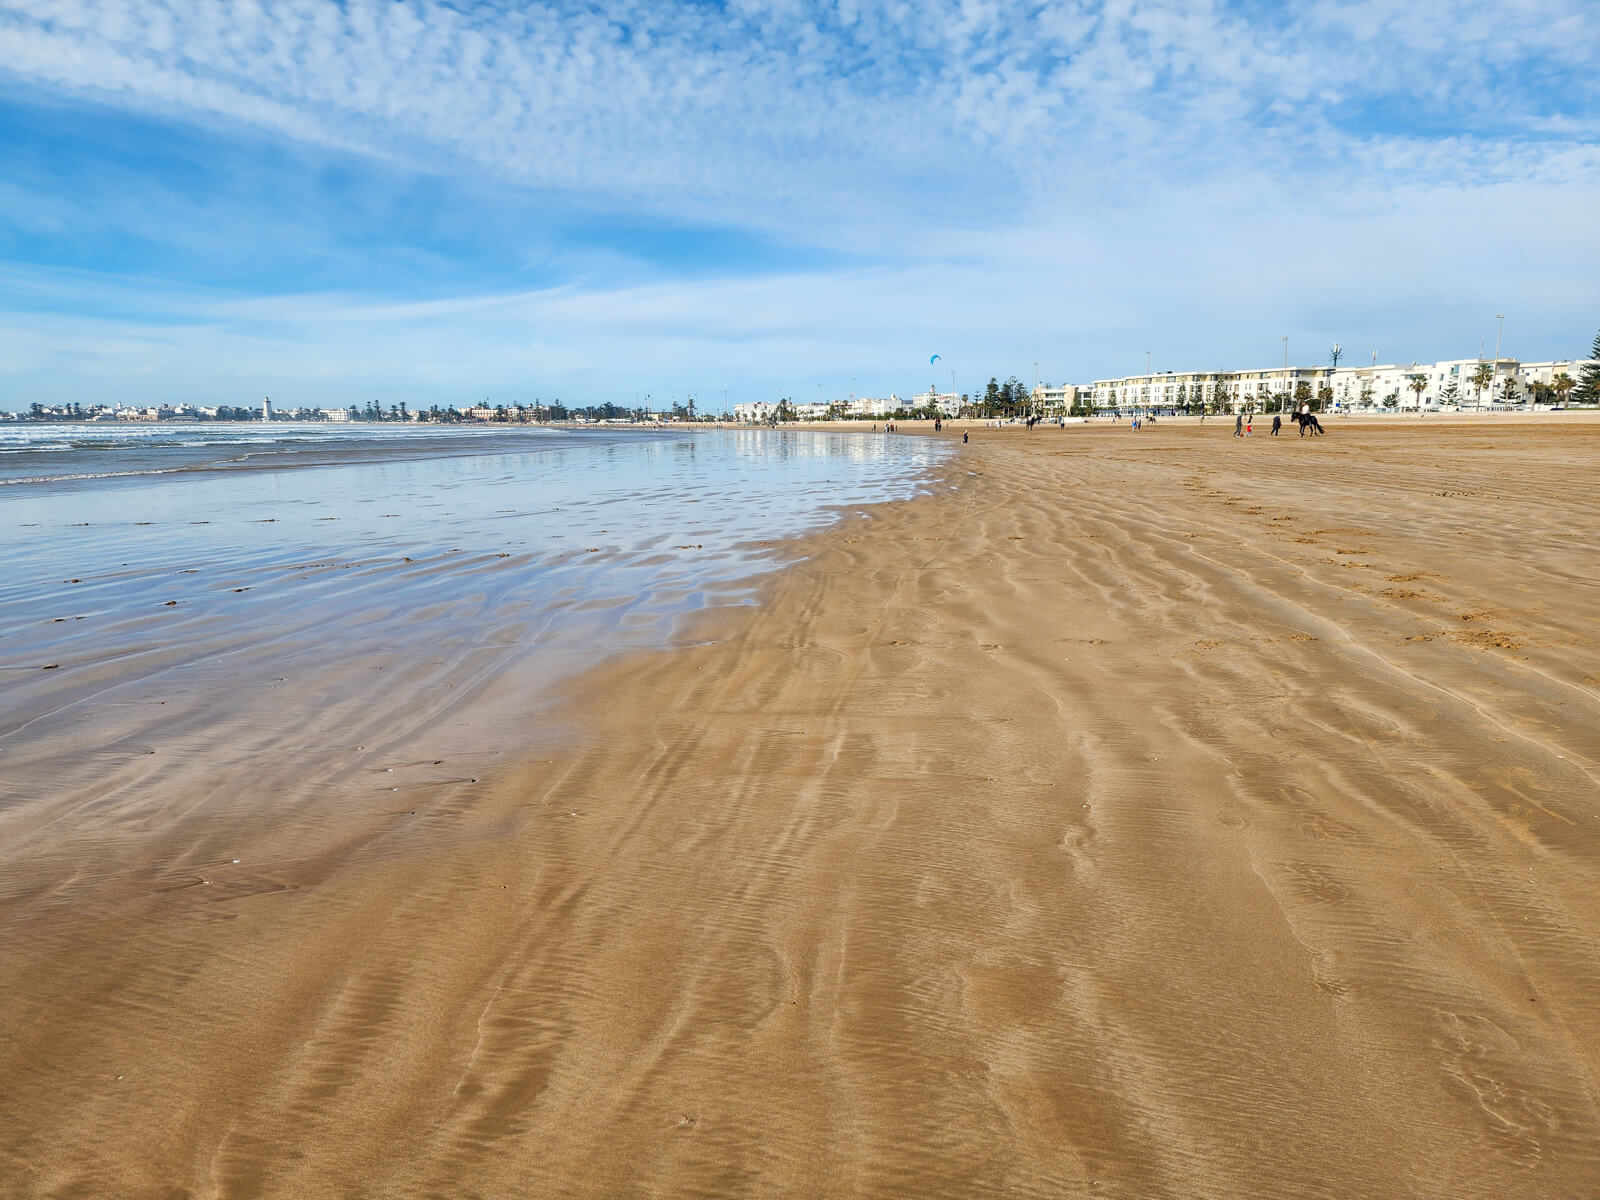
757, 412
1547, 374
1460, 382
760, 412
1179, 389
874, 406
947, 404
1061, 398
1451, 383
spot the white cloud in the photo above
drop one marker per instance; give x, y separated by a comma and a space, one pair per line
1067, 175
690, 107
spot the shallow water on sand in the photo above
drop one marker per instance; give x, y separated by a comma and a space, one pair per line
258, 596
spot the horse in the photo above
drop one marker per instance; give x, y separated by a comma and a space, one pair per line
1308, 421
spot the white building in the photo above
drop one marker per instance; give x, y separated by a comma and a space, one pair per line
946, 404
1180, 390
758, 412
1058, 398
1385, 386
874, 406
1453, 383
1448, 384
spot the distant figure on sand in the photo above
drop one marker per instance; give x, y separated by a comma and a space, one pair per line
1277, 424
1238, 425
963, 437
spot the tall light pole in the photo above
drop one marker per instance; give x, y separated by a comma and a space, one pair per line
1500, 325
1288, 392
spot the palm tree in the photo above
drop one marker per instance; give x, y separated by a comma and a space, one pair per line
1561, 385
1418, 384
1481, 378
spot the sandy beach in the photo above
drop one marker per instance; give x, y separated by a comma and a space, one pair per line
1136, 815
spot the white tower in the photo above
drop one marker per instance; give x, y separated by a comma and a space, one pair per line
266, 408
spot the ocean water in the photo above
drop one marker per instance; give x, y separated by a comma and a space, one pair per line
265, 599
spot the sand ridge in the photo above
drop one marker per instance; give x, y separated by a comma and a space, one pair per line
1137, 815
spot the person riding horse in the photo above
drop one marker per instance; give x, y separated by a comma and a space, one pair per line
1308, 420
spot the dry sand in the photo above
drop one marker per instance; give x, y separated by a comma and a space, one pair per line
1157, 815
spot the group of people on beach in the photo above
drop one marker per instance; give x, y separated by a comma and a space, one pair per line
1243, 423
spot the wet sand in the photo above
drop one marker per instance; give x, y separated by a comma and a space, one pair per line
1157, 815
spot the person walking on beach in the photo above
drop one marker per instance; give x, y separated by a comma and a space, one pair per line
963, 437
1277, 424
1238, 424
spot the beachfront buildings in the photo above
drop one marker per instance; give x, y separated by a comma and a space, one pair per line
762, 412
758, 412
1466, 382
1058, 398
862, 407
1166, 389
947, 404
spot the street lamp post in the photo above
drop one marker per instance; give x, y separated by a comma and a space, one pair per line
1500, 326
1288, 392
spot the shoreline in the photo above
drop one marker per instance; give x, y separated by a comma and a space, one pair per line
1121, 820
917, 424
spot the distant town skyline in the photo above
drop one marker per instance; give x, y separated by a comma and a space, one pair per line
206, 203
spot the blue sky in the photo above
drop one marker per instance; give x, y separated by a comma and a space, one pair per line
213, 200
